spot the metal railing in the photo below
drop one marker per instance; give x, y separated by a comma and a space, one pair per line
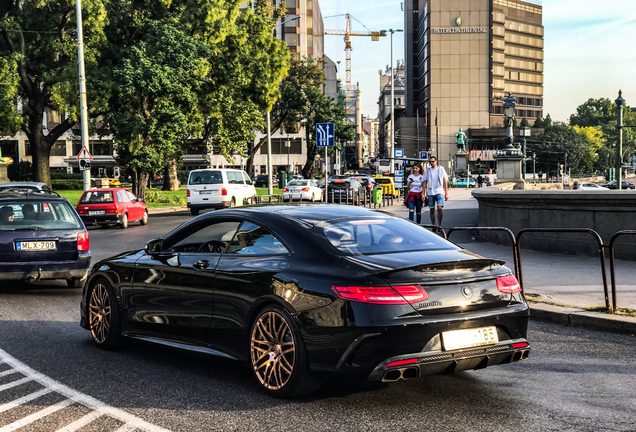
612, 268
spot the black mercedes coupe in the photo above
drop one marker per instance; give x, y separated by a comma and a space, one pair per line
307, 293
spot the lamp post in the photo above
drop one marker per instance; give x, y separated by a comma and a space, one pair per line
619, 145
287, 144
534, 167
270, 188
509, 104
524, 132
392, 144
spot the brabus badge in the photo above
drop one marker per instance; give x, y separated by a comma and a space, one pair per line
467, 291
459, 21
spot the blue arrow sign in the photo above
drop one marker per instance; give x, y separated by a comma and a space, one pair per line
325, 134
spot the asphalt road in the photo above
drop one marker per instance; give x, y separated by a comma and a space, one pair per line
575, 379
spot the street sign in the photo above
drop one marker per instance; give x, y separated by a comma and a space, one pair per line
84, 164
424, 155
84, 154
325, 134
398, 153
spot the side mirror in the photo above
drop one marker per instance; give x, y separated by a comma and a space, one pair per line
154, 246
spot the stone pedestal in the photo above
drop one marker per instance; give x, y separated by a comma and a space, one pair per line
4, 178
509, 167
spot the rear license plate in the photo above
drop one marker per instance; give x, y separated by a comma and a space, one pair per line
35, 246
96, 212
204, 192
469, 338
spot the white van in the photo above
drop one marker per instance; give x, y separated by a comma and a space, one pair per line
219, 188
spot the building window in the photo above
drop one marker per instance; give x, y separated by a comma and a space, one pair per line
310, 41
59, 148
310, 22
278, 146
291, 39
290, 3
310, 5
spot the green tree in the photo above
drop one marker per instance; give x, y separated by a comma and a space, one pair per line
552, 145
593, 141
524, 123
156, 96
38, 64
538, 123
594, 112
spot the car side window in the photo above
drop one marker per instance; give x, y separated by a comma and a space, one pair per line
197, 238
234, 177
132, 196
252, 239
246, 179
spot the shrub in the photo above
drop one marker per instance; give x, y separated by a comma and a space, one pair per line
155, 196
67, 184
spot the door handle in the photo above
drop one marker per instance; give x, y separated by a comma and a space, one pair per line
201, 264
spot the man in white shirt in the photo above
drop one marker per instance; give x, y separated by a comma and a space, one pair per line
436, 186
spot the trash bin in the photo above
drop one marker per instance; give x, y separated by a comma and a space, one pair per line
377, 195
283, 179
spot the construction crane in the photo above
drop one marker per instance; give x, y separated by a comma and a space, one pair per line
375, 36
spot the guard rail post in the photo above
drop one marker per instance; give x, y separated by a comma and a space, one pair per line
612, 268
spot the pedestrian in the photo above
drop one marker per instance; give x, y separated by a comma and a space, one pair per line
480, 180
540, 175
490, 178
436, 186
6, 215
415, 197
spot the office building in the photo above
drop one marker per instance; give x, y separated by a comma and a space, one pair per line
462, 57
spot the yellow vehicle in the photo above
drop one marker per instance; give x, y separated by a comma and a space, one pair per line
388, 185
114, 182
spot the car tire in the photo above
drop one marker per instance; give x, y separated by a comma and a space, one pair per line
313, 197
103, 315
233, 203
124, 222
194, 212
279, 358
144, 219
75, 282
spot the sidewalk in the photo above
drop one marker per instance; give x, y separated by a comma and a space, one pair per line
559, 285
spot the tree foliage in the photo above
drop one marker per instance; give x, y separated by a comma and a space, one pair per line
38, 60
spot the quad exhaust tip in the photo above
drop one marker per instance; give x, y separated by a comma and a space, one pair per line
398, 374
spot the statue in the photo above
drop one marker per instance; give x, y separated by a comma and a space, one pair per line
460, 141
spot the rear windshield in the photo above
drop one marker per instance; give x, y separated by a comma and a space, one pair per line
97, 197
383, 181
381, 235
38, 214
298, 183
205, 177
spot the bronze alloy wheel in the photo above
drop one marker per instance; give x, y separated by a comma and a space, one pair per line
273, 350
99, 313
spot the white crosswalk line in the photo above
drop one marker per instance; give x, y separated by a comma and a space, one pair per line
23, 400
8, 372
126, 428
77, 424
14, 383
83, 399
36, 416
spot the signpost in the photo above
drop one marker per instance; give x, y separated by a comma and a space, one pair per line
325, 137
424, 155
84, 157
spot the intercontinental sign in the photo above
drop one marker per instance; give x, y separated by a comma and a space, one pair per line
459, 30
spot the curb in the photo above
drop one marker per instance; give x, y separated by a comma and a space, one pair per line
166, 210
575, 317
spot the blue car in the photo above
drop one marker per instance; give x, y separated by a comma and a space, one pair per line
462, 182
42, 238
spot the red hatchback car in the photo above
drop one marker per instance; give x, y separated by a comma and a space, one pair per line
111, 206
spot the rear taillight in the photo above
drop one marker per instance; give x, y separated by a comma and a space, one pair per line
224, 191
369, 186
305, 189
285, 190
520, 345
188, 192
82, 211
112, 210
83, 242
382, 295
508, 284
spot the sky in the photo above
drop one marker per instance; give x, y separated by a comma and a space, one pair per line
589, 49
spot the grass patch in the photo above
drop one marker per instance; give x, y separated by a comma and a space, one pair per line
619, 311
156, 197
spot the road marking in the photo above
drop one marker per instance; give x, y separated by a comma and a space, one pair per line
14, 383
77, 424
23, 400
125, 428
8, 372
36, 416
130, 421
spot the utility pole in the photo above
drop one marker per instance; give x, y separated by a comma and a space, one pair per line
82, 85
619, 145
534, 167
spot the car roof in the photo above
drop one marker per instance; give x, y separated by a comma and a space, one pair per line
18, 184
106, 189
30, 195
217, 169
